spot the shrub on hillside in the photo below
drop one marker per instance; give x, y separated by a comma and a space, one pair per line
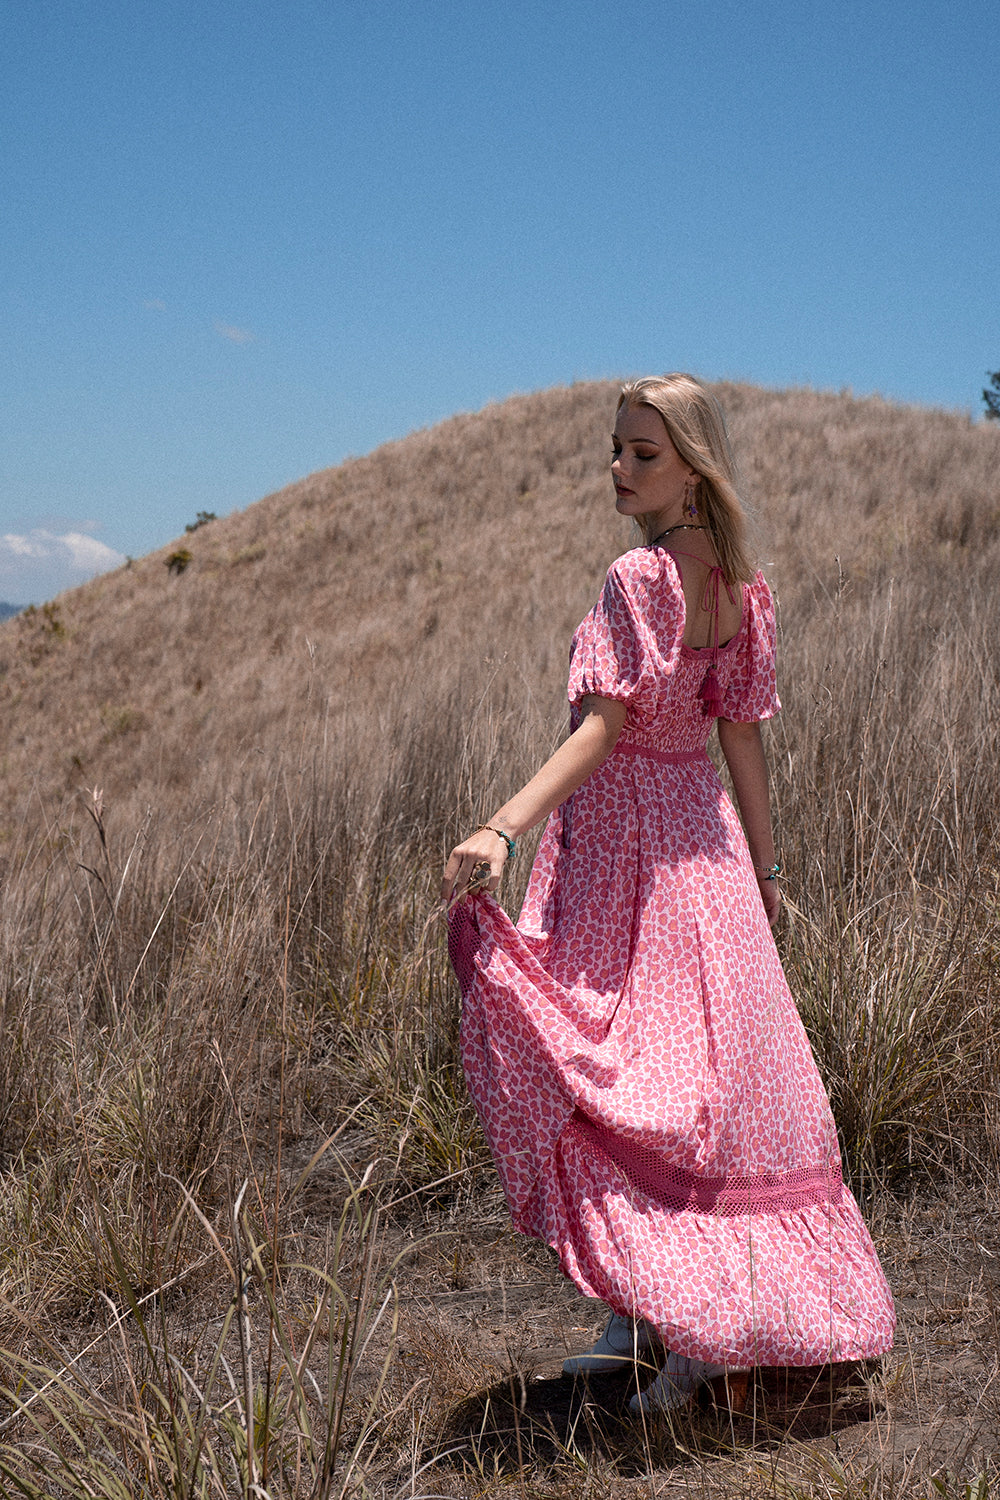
179, 560
992, 397
201, 519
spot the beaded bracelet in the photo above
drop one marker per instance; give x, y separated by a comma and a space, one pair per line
511, 846
771, 873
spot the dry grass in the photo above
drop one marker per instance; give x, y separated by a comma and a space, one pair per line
249, 1234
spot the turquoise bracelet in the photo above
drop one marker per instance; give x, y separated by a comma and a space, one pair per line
771, 873
511, 846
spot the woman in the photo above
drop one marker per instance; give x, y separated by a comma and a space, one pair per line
638, 1064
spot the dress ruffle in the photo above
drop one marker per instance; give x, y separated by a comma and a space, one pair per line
790, 1281
801, 1287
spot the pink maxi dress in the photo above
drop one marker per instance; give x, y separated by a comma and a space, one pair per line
636, 1059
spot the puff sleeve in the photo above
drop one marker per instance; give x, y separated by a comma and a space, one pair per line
751, 694
629, 642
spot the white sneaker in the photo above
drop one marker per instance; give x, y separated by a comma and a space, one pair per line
621, 1343
676, 1384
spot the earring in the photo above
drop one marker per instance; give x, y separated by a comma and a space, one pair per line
690, 485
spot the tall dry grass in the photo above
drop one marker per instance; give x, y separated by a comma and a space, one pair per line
229, 1085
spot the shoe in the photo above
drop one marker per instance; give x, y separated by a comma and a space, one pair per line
621, 1343
680, 1380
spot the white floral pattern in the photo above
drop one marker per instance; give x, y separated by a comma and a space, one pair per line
637, 1061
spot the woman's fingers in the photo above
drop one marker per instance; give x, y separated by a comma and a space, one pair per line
468, 875
452, 881
772, 899
471, 867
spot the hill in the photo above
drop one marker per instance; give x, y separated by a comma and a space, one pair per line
8, 610
459, 556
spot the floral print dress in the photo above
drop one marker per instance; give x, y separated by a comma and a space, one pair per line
636, 1059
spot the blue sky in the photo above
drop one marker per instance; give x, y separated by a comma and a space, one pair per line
242, 240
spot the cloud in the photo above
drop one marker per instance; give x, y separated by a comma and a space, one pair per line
38, 563
235, 335
88, 555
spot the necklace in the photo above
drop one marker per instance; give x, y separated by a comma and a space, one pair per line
681, 526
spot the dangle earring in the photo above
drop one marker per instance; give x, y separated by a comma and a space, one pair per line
690, 485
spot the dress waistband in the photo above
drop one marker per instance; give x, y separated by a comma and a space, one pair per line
665, 757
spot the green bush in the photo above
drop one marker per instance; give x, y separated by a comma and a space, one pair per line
201, 519
178, 561
992, 397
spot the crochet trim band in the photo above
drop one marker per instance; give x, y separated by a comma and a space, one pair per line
728, 1197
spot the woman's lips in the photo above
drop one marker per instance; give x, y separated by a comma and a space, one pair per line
622, 491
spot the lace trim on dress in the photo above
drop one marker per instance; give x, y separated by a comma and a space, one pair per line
728, 1197
464, 942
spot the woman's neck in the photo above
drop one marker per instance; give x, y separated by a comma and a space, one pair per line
678, 526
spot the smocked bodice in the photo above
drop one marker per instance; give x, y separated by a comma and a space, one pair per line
630, 647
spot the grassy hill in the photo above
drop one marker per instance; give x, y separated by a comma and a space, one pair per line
456, 557
239, 1174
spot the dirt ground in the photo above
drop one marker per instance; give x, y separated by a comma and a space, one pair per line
487, 1318
473, 1401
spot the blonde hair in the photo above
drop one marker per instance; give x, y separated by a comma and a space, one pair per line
697, 428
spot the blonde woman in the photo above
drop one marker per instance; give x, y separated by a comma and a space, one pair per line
638, 1064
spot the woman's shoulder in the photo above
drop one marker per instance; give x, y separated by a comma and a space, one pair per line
760, 625
644, 568
622, 648
751, 694
759, 597
645, 583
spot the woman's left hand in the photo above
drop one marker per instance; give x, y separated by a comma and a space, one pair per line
474, 864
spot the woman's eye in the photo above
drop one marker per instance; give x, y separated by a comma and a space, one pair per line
645, 457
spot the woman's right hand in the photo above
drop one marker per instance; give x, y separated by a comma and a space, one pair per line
771, 897
476, 862
588, 746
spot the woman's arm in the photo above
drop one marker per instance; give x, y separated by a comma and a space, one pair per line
590, 743
744, 751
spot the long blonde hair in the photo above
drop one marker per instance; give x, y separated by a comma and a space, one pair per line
697, 428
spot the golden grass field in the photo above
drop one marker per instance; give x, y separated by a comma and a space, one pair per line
250, 1239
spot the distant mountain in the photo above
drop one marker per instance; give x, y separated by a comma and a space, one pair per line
6, 610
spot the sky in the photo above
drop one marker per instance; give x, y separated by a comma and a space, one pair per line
241, 241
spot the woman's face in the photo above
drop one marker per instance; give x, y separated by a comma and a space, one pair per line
649, 474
